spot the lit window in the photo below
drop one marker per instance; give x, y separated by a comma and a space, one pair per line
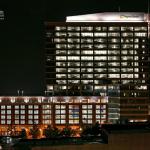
100, 58
73, 46
98, 28
8, 107
113, 58
86, 57
16, 121
58, 40
114, 52
86, 40
60, 52
73, 75
60, 69
30, 111
101, 34
2, 116
114, 34
86, 28
140, 34
136, 69
100, 40
100, 52
8, 111
17, 107
22, 122
22, 106
87, 52
126, 75
86, 46
60, 28
22, 117
127, 34
100, 69
36, 111
30, 121
16, 111
113, 70
114, 46
73, 34
124, 52
30, 117
36, 117
124, 46
73, 70
22, 112
73, 40
140, 28
136, 40
126, 28
3, 107
86, 69
60, 57
136, 76
8, 121
60, 34
86, 34
72, 28
114, 75
114, 40
46, 121
30, 106
113, 28
103, 116
114, 64
73, 58
3, 122
127, 58
100, 46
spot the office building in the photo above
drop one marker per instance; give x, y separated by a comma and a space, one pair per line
103, 54
97, 70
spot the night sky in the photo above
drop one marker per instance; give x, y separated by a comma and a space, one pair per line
22, 37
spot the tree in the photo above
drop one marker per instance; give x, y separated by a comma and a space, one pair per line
35, 132
86, 130
23, 134
96, 129
67, 132
50, 132
93, 130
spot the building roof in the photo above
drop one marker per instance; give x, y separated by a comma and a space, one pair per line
110, 17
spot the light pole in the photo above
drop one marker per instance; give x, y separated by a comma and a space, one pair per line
20, 92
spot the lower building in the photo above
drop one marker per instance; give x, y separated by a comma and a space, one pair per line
17, 113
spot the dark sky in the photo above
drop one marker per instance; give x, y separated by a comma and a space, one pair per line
22, 37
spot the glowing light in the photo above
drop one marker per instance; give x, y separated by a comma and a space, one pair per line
12, 99
26, 100
109, 17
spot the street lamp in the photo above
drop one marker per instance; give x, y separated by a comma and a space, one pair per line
20, 92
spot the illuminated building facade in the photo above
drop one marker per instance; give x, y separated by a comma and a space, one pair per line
23, 112
97, 69
104, 54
